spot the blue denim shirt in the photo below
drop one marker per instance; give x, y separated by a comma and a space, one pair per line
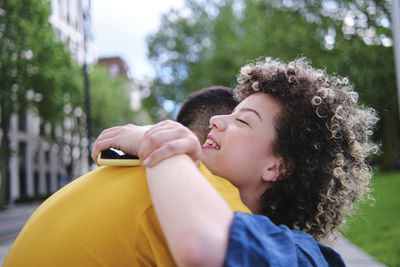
256, 241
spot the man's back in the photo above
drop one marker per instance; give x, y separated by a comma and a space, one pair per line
104, 218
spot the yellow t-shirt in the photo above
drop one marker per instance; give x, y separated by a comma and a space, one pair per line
104, 218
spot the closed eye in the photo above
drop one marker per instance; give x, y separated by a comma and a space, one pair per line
242, 121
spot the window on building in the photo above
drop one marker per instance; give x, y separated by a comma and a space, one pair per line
77, 51
60, 9
36, 183
8, 189
47, 157
48, 183
22, 170
58, 35
42, 131
68, 12
114, 70
77, 23
22, 121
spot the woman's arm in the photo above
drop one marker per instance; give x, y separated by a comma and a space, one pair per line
194, 217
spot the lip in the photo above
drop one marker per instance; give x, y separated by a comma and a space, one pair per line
207, 146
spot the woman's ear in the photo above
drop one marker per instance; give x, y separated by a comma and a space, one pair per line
272, 170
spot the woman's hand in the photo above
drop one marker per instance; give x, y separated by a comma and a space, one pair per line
166, 139
125, 138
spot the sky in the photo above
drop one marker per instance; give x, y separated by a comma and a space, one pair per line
120, 27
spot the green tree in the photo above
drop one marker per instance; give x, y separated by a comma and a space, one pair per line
110, 100
362, 50
202, 45
36, 71
173, 50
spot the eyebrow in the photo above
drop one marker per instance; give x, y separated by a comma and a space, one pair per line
251, 110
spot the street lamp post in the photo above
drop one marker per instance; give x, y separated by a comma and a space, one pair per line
86, 23
396, 44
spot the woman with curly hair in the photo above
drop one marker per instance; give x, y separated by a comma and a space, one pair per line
323, 137
295, 147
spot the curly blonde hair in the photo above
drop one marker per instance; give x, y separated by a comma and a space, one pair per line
323, 136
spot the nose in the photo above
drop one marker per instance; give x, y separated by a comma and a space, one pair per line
219, 122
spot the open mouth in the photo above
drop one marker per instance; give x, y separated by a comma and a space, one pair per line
210, 143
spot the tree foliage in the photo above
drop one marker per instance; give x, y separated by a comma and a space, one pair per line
36, 71
110, 100
206, 42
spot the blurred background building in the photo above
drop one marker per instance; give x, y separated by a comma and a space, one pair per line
116, 66
42, 165
67, 20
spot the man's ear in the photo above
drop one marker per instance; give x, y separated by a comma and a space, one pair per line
272, 170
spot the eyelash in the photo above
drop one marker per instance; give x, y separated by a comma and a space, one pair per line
242, 121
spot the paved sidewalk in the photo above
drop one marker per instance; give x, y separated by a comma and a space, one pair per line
353, 256
11, 222
18, 214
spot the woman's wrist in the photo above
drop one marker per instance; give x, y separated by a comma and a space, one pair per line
138, 136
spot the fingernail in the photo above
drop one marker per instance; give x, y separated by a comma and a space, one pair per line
146, 162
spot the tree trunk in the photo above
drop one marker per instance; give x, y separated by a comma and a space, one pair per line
390, 136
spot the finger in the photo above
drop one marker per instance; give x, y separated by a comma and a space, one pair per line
96, 150
113, 131
163, 125
119, 137
168, 125
189, 146
103, 145
156, 139
105, 134
110, 131
175, 147
94, 158
152, 141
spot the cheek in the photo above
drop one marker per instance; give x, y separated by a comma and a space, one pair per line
233, 160
250, 157
243, 150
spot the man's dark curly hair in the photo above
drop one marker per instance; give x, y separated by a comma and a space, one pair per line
323, 136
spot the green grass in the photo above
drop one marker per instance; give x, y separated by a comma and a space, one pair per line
376, 228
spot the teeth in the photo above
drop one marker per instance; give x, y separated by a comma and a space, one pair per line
211, 143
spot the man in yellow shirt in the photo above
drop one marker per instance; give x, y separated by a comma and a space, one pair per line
106, 217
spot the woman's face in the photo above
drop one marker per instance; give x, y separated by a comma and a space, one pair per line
238, 146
